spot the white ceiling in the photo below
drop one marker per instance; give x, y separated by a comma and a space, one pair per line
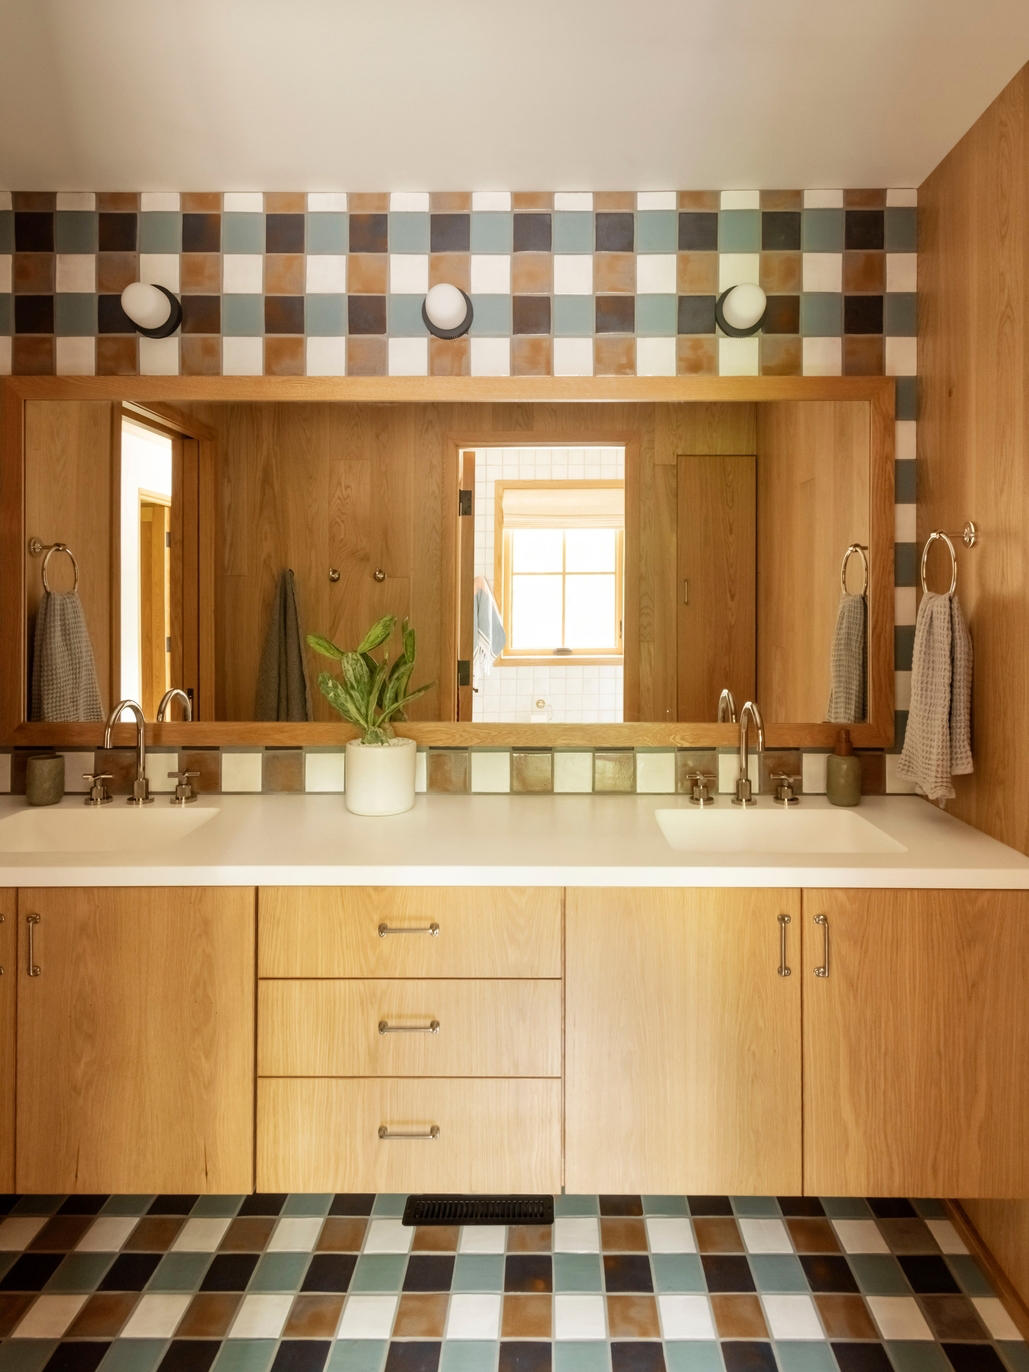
481, 94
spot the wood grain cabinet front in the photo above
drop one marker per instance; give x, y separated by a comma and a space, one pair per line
8, 993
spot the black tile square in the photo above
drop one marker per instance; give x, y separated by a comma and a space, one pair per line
627, 1272
76, 1356
110, 317
130, 1272
861, 1357
201, 314
862, 314
780, 231
782, 315
615, 314
747, 1356
800, 1207
450, 232
696, 315
31, 1272
429, 1272
529, 1272
366, 314
172, 1205
189, 1355
34, 313
641, 1357
263, 1203
201, 233
698, 231
229, 1272
973, 1357
117, 233
301, 1355
828, 1274
330, 1272
516, 1356
621, 1205
863, 229
413, 1355
369, 233
284, 233
83, 1205
727, 1272
285, 313
615, 231
708, 1205
33, 231
532, 233
891, 1208
928, 1274
7, 1204
530, 314
352, 1203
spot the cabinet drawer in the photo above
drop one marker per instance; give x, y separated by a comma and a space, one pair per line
484, 1028
322, 1134
482, 931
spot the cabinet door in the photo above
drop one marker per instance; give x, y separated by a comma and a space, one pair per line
8, 985
136, 1040
916, 1043
682, 1050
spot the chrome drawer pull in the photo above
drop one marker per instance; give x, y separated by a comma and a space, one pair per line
431, 1136
32, 921
431, 1028
784, 971
823, 971
432, 930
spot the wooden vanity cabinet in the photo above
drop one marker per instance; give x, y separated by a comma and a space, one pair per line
135, 1044
8, 1000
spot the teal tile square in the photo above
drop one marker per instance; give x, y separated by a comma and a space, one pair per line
492, 231
6, 314
133, 1355
326, 317
900, 228
677, 1272
905, 564
491, 315
75, 231
900, 316
821, 314
920, 1356
161, 231
75, 314
810, 1356
355, 1355
479, 1272
778, 1272
572, 231
301, 1205
756, 1207
695, 1356
404, 316
326, 233
906, 404
245, 1355
379, 1272
845, 1207
969, 1274
576, 1205
409, 232
657, 231
577, 1272
242, 315
1016, 1355
573, 316
739, 231
665, 1205
878, 1275
903, 647
390, 1205
280, 1272
79, 1272
127, 1205
216, 1207
25, 1355
6, 231
37, 1205
469, 1355
180, 1272
583, 1357
928, 1209
821, 230
656, 315
243, 233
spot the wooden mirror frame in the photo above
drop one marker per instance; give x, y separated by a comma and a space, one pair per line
164, 391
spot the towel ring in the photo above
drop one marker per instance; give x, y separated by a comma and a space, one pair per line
60, 548
859, 549
938, 533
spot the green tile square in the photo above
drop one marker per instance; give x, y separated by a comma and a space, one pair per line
379, 1272
180, 1272
127, 1205
573, 316
906, 397
920, 1356
665, 1205
75, 231
905, 564
79, 1272
409, 232
6, 314
969, 1274
75, 314
326, 317
845, 1207
656, 315
492, 231
389, 1204
354, 1355
491, 316
900, 316
307, 1205
821, 230
584, 1357
133, 1355
778, 1272
739, 231
809, 1356
756, 1207
326, 233
468, 1355
905, 492
903, 647
577, 1272
243, 233
878, 1275
479, 1272
572, 231
404, 316
695, 1356
928, 1209
576, 1205
1016, 1355
242, 315
161, 231
900, 228
216, 1207
279, 1272
677, 1272
37, 1205
245, 1355
25, 1355
821, 314
6, 231
657, 231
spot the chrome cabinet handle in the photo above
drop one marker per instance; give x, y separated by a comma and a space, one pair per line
386, 1133
823, 971
784, 970
432, 930
431, 1028
32, 921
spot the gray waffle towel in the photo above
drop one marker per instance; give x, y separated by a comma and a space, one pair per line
64, 684
283, 690
937, 744
849, 662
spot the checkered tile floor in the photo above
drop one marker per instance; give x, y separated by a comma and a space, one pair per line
306, 1283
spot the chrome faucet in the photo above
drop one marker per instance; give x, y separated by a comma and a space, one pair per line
726, 707
744, 789
167, 699
140, 787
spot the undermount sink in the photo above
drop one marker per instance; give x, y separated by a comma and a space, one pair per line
114, 828
781, 831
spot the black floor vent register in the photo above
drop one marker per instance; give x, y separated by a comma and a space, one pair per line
479, 1210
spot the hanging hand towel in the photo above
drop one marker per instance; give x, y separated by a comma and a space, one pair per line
848, 662
64, 684
937, 744
490, 636
283, 690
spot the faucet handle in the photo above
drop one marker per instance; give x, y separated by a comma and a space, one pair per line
184, 792
98, 792
701, 791
784, 792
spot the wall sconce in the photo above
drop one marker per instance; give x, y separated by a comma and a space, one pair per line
155, 311
740, 311
447, 311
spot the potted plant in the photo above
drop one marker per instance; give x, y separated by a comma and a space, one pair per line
372, 695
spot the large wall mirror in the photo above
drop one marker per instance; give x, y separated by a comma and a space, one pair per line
576, 564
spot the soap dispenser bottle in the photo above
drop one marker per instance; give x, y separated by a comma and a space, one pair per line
843, 772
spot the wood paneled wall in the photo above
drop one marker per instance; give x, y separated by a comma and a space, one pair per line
973, 463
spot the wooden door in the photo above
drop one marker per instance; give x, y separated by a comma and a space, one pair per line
682, 1046
916, 1043
154, 603
8, 991
135, 1050
465, 580
717, 582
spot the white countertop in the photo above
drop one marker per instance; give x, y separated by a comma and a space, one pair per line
510, 840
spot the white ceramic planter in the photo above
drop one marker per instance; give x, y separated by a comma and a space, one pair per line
380, 778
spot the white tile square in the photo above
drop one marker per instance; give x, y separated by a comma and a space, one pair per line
655, 357
75, 356
686, 1317
491, 772
670, 1234
241, 772
200, 1235
159, 356
156, 1316
578, 1317
325, 771
901, 356
860, 1236
17, 1232
896, 785
738, 269
904, 604
823, 356
657, 200
765, 1235
409, 202
76, 271
160, 269
491, 357
901, 271
261, 1316
823, 200
729, 770
77, 200
943, 1231
823, 271
107, 1234
5, 273
576, 1234
496, 201
741, 200
573, 273
899, 1317
573, 356
243, 273
295, 1234
792, 1317
5, 200
326, 274
242, 356
5, 356
5, 781
388, 1236
813, 768
739, 356
474, 1316
904, 523
491, 274
408, 273
367, 1317
49, 1317
573, 200
159, 201
655, 273
327, 202
655, 773
904, 435
902, 690
326, 357
902, 197
243, 202
75, 764
573, 772
409, 357
482, 1238
994, 1316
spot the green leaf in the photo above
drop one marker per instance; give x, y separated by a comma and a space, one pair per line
402, 705
376, 688
340, 700
325, 646
377, 634
356, 672
407, 634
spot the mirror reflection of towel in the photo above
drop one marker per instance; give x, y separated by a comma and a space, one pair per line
490, 635
849, 662
283, 690
64, 684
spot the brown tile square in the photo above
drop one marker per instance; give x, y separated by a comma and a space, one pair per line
32, 355
201, 202
13, 1306
529, 1238
283, 355
780, 272
530, 314
864, 273
117, 356
285, 202
19, 758
738, 1317
209, 1315
367, 273
436, 1238
953, 1317
688, 760
614, 770
532, 771
863, 355
614, 356
314, 1316
154, 1234
531, 355
450, 202
284, 314
366, 356
696, 356
248, 1234
282, 769
451, 268
201, 313
782, 314
697, 273
622, 1235
120, 763
421, 1316
369, 233
34, 202
368, 202
119, 202
450, 356
102, 1317
782, 200
450, 233
532, 200
284, 273
531, 273
614, 272
846, 1317
864, 200
606, 201
787, 762
527, 1317
201, 233
200, 355
60, 1234
781, 355
34, 273
117, 233
206, 761
699, 200
908, 1236
366, 314
873, 774
448, 771
341, 1234
717, 1235
812, 1236
633, 1317
284, 233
